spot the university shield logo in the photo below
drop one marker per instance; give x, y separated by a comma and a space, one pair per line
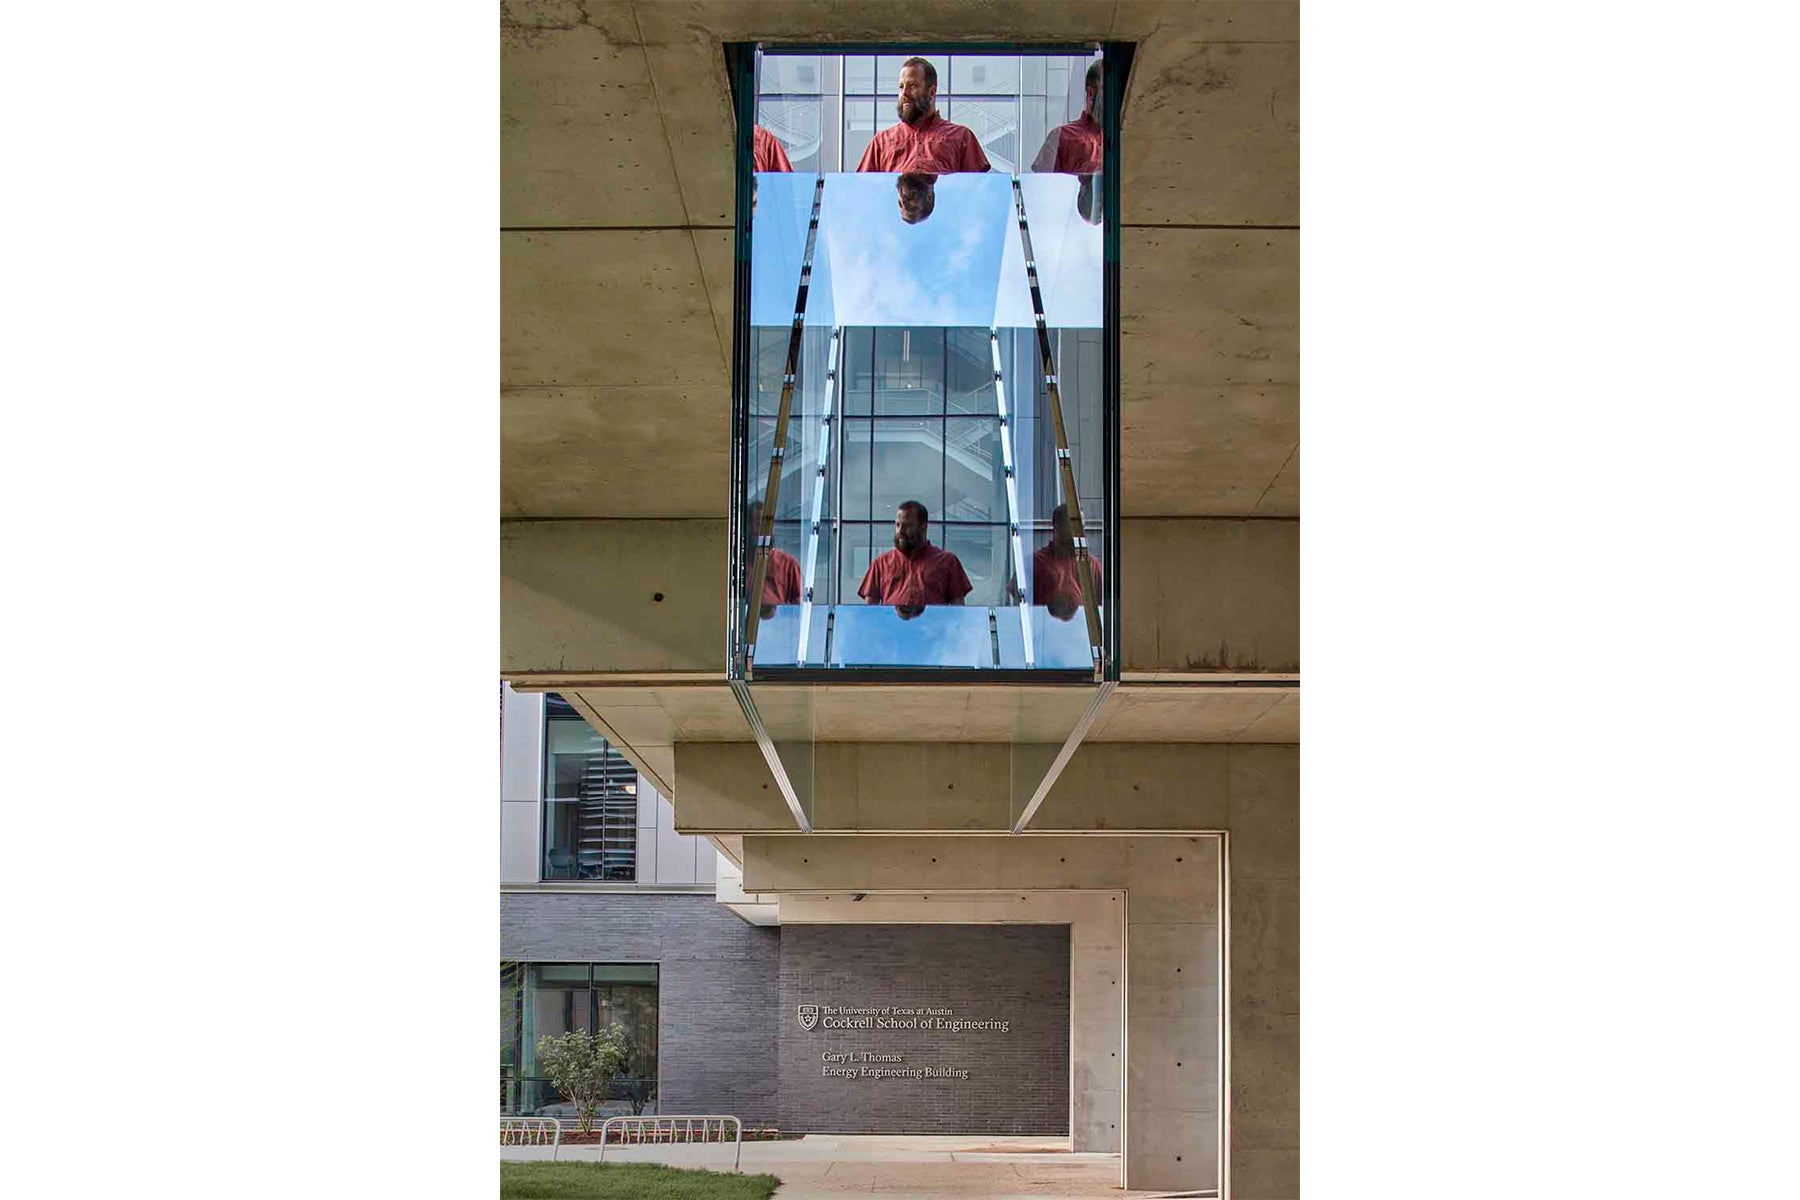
809, 1016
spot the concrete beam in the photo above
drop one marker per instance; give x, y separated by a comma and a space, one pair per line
967, 788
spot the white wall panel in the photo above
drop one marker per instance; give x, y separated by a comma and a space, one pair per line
521, 746
519, 842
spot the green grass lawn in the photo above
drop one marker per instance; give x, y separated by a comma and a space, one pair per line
626, 1181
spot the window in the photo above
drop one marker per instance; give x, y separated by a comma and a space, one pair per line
545, 999
590, 801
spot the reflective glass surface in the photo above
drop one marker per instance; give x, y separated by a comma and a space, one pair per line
925, 494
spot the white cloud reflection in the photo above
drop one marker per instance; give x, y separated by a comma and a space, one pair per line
962, 266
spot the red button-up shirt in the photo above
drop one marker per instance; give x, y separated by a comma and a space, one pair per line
781, 585
1053, 577
766, 151
929, 576
1078, 148
934, 146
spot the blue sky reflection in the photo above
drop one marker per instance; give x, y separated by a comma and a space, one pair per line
961, 266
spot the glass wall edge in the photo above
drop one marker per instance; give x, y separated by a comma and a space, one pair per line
740, 59
1117, 57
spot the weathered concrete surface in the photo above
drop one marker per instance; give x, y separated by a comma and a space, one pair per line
1209, 595
909, 787
1213, 117
620, 596
1209, 372
1173, 955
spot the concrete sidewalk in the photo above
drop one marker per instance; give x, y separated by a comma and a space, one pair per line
918, 1167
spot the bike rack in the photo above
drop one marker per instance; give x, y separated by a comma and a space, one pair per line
532, 1131
669, 1130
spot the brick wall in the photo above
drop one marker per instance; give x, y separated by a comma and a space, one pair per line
718, 993
1018, 1081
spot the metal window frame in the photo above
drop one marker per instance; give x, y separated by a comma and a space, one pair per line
546, 780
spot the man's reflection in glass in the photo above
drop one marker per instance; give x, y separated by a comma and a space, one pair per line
915, 572
918, 196
1078, 148
1089, 200
766, 151
1055, 581
781, 583
923, 140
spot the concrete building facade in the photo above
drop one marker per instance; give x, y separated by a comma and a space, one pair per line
1157, 822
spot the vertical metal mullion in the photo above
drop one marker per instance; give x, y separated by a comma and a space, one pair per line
833, 364
1065, 460
1012, 495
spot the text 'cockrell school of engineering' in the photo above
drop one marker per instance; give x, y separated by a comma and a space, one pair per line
895, 1017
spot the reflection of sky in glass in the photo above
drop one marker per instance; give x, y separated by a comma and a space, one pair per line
940, 636
961, 266
1069, 258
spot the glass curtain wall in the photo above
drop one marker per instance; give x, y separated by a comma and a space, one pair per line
590, 801
540, 1000
918, 372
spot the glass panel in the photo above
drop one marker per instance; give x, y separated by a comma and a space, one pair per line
859, 370
860, 546
855, 491
859, 73
995, 123
970, 372
800, 125
983, 551
925, 281
590, 805
908, 464
993, 74
909, 371
974, 477
782, 210
859, 127
933, 636
541, 1000
941, 270
791, 73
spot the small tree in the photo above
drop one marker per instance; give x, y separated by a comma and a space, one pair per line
581, 1066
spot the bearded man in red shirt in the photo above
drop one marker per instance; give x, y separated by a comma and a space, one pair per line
1055, 581
915, 572
782, 581
766, 152
923, 142
1078, 148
